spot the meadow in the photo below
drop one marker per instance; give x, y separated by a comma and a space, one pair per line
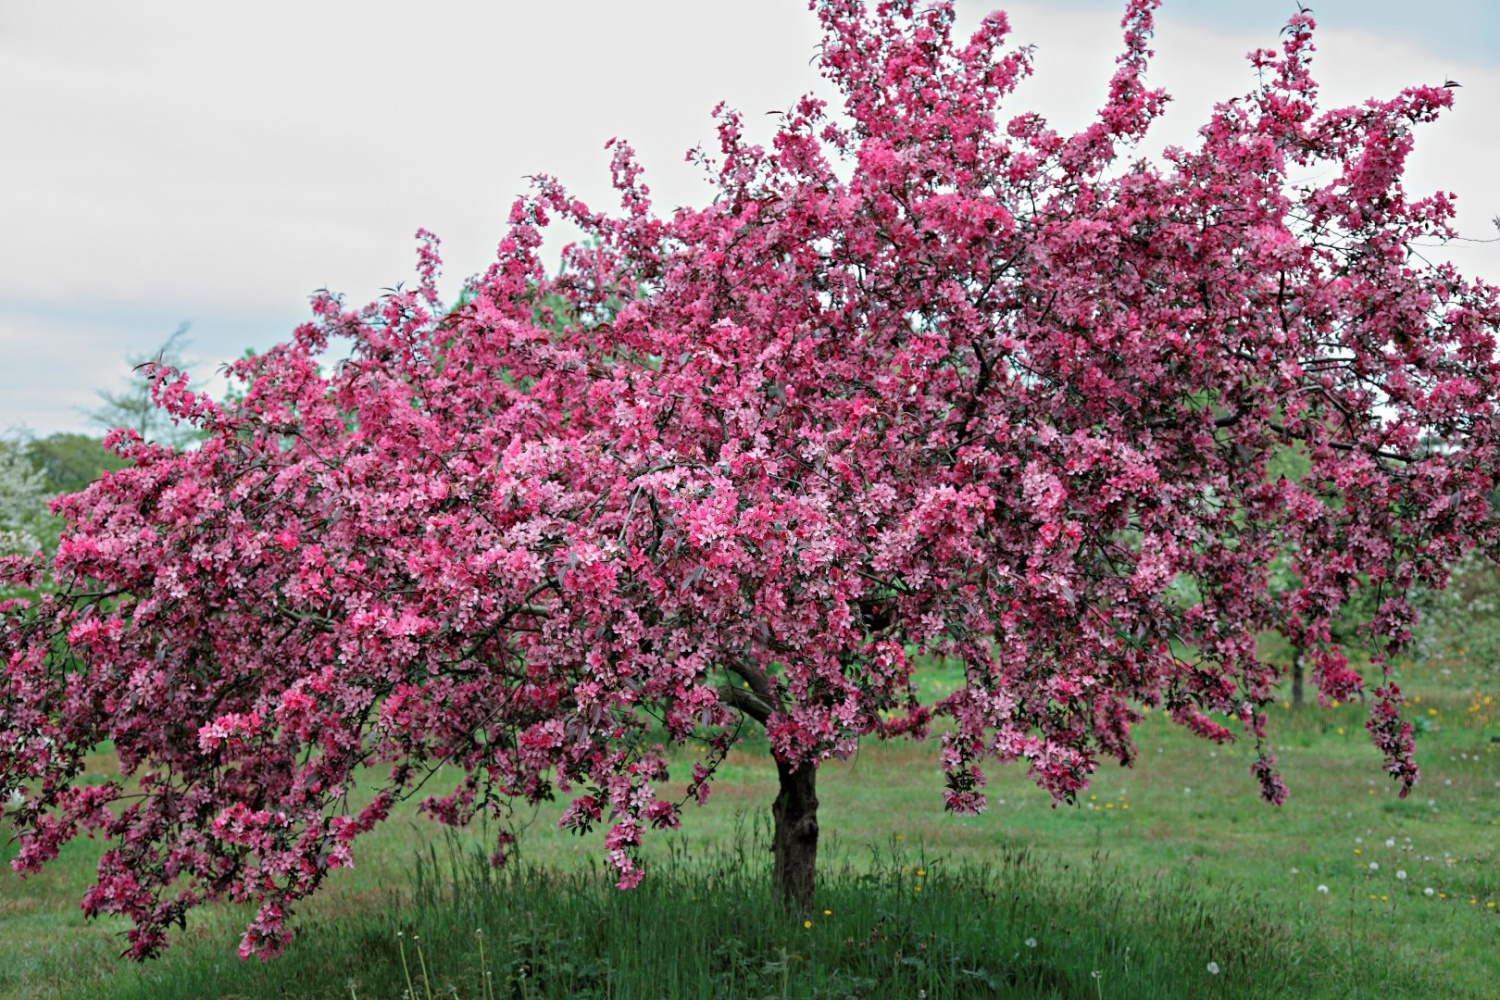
1168, 879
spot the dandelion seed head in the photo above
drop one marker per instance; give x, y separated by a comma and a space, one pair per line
1213, 968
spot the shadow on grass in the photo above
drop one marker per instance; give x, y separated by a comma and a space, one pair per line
897, 925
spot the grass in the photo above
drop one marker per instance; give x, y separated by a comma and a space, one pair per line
1015, 926
1175, 860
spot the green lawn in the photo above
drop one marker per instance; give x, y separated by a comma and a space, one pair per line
1160, 870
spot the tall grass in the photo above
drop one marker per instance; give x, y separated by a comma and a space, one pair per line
897, 924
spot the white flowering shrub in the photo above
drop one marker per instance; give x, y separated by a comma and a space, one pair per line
1461, 623
25, 523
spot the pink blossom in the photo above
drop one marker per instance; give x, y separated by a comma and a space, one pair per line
926, 379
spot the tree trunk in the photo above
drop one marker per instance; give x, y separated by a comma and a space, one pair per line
1297, 678
795, 814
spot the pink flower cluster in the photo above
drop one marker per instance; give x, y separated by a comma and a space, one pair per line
925, 379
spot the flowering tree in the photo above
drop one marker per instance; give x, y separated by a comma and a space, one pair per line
922, 380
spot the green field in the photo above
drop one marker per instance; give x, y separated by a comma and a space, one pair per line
1160, 870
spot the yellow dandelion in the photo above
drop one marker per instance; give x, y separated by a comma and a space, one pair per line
921, 872
827, 913
807, 924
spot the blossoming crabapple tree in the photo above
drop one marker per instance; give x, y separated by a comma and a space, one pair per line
925, 378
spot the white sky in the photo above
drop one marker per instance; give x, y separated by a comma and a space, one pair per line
169, 161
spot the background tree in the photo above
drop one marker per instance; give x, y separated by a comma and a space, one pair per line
920, 381
68, 462
134, 409
1461, 621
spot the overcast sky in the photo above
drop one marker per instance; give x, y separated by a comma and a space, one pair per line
215, 163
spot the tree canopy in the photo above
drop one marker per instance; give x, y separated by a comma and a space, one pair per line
925, 379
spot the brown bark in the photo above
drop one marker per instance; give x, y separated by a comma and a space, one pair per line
794, 814
795, 836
